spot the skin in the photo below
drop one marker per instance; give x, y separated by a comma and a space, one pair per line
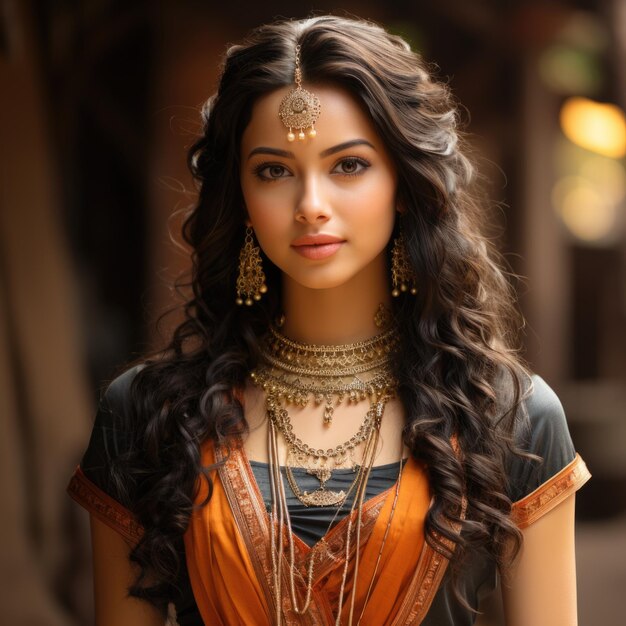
322, 186
112, 574
349, 193
333, 301
541, 588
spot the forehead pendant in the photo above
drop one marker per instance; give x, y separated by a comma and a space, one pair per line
299, 109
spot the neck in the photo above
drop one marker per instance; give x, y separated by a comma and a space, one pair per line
339, 315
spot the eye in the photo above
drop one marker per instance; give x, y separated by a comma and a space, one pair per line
351, 166
270, 171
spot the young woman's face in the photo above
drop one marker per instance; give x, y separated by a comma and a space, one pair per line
323, 208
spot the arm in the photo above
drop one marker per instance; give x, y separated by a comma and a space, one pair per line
540, 588
113, 573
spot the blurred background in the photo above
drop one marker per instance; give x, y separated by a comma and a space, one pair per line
99, 102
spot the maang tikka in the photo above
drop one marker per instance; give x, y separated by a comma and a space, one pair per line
251, 279
299, 109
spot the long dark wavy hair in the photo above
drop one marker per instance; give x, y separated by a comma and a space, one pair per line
461, 378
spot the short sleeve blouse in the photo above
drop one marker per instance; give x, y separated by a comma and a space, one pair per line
534, 486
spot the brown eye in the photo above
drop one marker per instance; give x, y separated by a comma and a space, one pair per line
269, 172
276, 171
351, 166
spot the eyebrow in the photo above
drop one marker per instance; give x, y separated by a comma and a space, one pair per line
290, 155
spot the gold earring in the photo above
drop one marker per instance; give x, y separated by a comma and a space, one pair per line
402, 274
251, 278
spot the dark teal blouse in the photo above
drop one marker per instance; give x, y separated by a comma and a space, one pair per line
545, 434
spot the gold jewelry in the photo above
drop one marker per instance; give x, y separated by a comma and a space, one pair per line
300, 108
280, 515
402, 274
295, 373
251, 278
318, 463
382, 317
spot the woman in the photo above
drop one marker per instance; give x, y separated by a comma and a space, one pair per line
310, 449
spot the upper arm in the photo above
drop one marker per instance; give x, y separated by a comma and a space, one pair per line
113, 573
540, 587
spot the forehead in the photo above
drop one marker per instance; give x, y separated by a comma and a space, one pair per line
341, 118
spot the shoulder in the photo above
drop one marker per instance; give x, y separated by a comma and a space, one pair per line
541, 431
112, 436
543, 418
542, 403
117, 394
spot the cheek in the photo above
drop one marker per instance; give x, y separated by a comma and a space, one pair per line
375, 206
265, 208
269, 224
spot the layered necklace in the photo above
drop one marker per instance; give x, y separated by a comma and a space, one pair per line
297, 374
293, 373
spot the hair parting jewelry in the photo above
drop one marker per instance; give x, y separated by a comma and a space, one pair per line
299, 109
251, 278
402, 274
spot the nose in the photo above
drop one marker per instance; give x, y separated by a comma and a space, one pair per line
312, 206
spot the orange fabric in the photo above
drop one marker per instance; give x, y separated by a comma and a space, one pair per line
103, 506
227, 587
221, 573
551, 493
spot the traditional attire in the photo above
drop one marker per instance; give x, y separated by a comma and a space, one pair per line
401, 581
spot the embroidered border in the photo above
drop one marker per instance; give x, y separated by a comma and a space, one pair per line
248, 519
103, 506
249, 511
428, 575
248, 508
551, 493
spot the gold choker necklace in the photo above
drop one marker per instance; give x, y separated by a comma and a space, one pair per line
296, 372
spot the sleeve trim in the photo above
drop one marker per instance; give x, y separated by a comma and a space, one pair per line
103, 506
551, 493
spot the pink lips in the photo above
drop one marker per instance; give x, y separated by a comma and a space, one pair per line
318, 246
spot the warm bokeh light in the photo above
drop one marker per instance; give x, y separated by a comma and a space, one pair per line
608, 175
596, 126
588, 213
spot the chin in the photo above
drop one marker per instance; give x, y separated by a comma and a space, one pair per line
321, 281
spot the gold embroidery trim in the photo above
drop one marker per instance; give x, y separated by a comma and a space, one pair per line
248, 508
428, 575
103, 506
547, 496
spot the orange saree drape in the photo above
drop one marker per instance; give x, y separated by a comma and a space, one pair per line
230, 568
227, 547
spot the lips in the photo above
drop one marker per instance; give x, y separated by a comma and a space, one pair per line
318, 246
316, 240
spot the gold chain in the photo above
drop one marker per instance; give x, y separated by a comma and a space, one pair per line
295, 373
280, 515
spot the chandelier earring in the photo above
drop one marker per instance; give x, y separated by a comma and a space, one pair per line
402, 274
251, 279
